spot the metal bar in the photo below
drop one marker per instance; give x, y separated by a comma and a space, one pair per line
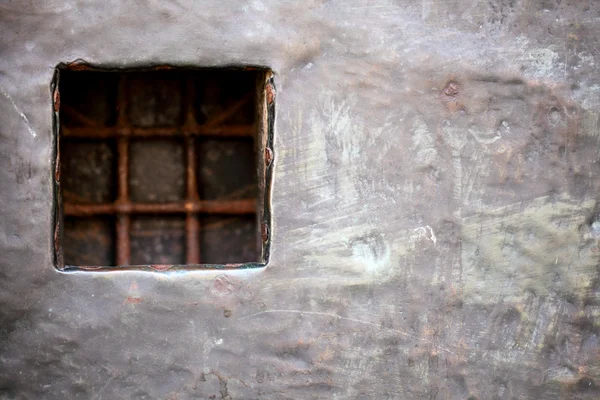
123, 245
192, 235
227, 207
123, 222
192, 222
123, 169
198, 130
78, 115
222, 117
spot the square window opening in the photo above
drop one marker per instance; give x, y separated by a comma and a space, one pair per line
162, 168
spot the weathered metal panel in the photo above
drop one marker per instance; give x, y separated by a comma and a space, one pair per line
435, 218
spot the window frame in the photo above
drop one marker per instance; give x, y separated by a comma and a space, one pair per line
265, 158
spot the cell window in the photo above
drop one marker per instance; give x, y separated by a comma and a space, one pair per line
162, 168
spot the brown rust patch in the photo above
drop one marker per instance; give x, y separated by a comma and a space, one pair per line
78, 65
264, 230
451, 89
132, 300
268, 156
449, 96
270, 93
56, 98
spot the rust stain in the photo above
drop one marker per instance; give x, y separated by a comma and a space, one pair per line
231, 207
160, 267
56, 99
451, 89
78, 66
57, 168
268, 156
449, 96
264, 231
57, 238
270, 93
132, 300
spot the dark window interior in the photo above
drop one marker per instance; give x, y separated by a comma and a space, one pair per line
159, 167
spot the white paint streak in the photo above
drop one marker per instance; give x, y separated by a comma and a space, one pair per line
425, 232
541, 63
485, 136
423, 143
31, 131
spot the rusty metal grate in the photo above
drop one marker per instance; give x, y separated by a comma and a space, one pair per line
161, 169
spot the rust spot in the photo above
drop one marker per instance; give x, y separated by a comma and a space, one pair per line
264, 231
449, 95
56, 99
451, 89
132, 300
57, 237
57, 168
227, 313
78, 66
268, 156
222, 285
160, 267
270, 93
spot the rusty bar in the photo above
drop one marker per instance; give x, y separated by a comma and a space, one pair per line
219, 119
78, 115
198, 130
123, 169
192, 222
192, 186
123, 220
123, 246
85, 210
225, 207
192, 234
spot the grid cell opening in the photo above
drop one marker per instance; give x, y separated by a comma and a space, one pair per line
162, 168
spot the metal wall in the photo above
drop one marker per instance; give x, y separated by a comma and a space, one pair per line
435, 218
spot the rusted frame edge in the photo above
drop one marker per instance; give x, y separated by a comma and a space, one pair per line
269, 154
164, 268
266, 227
57, 228
82, 65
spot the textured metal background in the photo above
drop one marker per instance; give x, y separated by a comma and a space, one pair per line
434, 207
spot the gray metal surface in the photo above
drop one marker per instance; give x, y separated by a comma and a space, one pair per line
434, 207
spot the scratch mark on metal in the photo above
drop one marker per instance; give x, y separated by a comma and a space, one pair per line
359, 321
19, 112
